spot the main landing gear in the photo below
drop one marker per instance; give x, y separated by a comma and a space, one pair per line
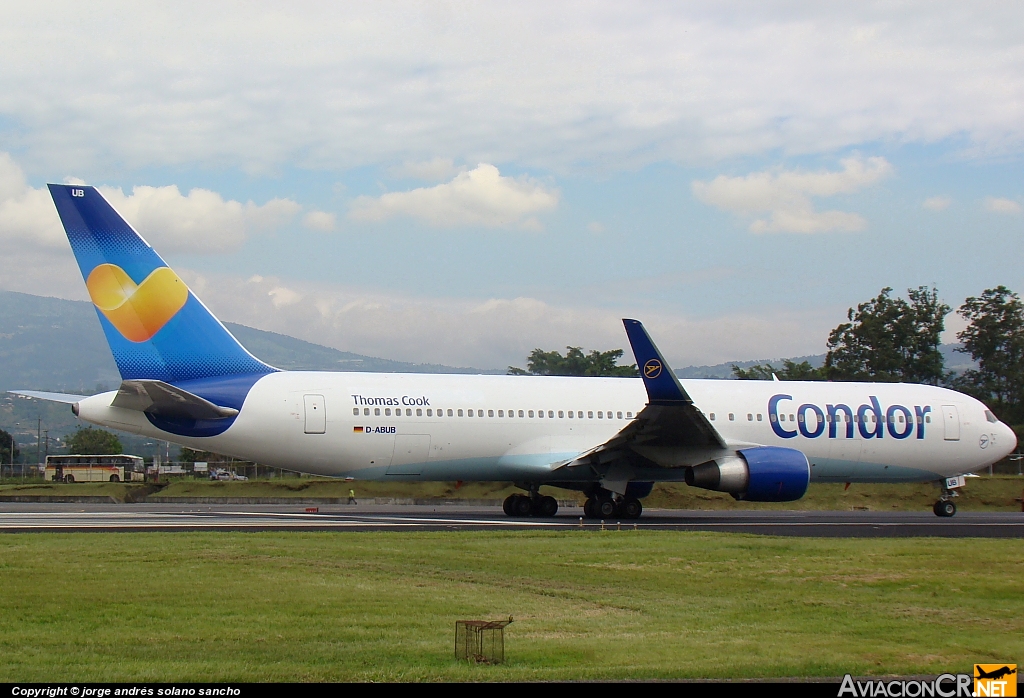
521, 505
605, 505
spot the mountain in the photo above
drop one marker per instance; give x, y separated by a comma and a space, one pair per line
55, 344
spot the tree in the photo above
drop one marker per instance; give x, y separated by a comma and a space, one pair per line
5, 448
890, 340
574, 363
91, 441
995, 339
790, 371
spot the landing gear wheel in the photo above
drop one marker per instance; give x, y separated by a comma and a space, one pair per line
522, 506
631, 508
506, 506
546, 507
69, 478
944, 508
605, 508
115, 478
589, 508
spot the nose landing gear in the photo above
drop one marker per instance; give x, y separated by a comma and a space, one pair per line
946, 507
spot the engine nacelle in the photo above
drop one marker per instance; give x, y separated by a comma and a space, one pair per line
762, 474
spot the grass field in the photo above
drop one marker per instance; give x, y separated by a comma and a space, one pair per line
587, 604
999, 493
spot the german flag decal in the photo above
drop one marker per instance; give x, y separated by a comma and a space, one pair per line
357, 430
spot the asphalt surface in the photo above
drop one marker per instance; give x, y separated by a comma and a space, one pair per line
39, 517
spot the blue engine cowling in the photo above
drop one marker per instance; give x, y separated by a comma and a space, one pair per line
761, 474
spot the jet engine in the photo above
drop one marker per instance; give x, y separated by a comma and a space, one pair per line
762, 474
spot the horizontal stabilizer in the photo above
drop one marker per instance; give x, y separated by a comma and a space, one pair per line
165, 400
52, 397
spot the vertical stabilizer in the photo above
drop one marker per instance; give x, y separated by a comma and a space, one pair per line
155, 326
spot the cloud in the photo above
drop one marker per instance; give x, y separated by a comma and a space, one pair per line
478, 197
435, 170
199, 222
595, 227
557, 86
319, 220
493, 332
997, 205
937, 203
786, 195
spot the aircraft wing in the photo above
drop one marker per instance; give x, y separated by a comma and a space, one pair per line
669, 423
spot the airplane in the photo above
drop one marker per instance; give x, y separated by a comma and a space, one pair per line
187, 380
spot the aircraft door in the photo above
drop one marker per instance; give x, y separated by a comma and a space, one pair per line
951, 422
410, 454
316, 414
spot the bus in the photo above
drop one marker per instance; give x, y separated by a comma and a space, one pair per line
103, 468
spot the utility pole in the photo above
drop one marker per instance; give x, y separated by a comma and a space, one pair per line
39, 438
47, 433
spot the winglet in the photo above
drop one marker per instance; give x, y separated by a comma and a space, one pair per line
659, 379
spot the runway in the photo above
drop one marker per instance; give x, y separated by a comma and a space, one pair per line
38, 517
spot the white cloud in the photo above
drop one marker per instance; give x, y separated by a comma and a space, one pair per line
494, 332
786, 195
997, 205
434, 170
478, 197
601, 84
319, 220
595, 227
28, 218
937, 203
199, 222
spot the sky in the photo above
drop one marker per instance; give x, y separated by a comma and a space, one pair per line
461, 183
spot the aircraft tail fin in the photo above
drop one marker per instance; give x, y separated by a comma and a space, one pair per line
156, 327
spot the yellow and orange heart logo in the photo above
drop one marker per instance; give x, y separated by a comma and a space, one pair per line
137, 311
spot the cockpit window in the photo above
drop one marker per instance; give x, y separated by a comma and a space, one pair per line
990, 417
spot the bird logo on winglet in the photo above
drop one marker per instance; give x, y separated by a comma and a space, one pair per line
652, 369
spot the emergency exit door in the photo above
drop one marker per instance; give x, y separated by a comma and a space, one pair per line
951, 422
316, 414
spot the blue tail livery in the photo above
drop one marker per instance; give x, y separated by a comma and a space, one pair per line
156, 327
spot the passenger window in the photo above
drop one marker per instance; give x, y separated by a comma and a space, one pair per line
551, 414
419, 412
791, 418
759, 418
540, 413
366, 411
629, 415
531, 413
450, 413
561, 414
732, 417
618, 415
376, 411
521, 413
430, 413
387, 411
872, 419
801, 417
600, 415
355, 411
571, 414
408, 412
750, 417
590, 415
901, 419
773, 418
712, 416
460, 413
928, 418
490, 413
501, 413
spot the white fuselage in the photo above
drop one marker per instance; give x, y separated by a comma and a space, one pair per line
418, 426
